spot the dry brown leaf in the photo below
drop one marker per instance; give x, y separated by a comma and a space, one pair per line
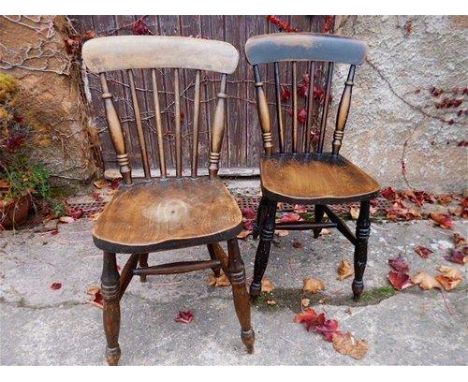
281, 232
345, 270
219, 282
344, 343
244, 234
449, 278
425, 281
354, 212
313, 285
97, 299
267, 285
271, 302
305, 302
325, 232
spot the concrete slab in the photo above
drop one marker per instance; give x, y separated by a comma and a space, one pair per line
40, 326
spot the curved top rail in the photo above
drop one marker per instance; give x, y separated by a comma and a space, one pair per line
277, 47
104, 54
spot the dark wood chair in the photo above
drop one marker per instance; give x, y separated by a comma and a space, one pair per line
295, 173
166, 212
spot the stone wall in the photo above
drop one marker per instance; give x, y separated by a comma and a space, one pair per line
32, 49
394, 126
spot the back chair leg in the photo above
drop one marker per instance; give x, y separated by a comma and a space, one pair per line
110, 289
143, 262
261, 213
319, 212
360, 250
236, 274
263, 250
212, 251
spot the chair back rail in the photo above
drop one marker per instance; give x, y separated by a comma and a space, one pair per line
127, 53
292, 48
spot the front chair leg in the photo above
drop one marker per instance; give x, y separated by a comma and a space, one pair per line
360, 250
236, 273
110, 289
143, 262
261, 213
319, 212
212, 250
263, 250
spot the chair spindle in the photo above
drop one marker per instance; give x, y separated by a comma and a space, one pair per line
263, 113
159, 131
343, 111
294, 107
178, 137
217, 130
196, 118
326, 101
141, 135
310, 108
278, 108
115, 130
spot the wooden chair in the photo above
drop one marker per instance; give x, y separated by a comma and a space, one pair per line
166, 212
299, 175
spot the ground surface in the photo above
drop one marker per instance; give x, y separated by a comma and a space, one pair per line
41, 326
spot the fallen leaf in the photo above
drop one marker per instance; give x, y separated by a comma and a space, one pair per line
325, 232
75, 213
444, 199
184, 317
244, 234
442, 220
249, 213
313, 285
281, 232
309, 318
449, 278
305, 302
328, 329
97, 299
271, 302
344, 343
66, 219
267, 285
388, 193
290, 217
399, 280
219, 282
457, 256
459, 240
423, 251
300, 209
101, 183
345, 270
297, 244
399, 264
55, 286
354, 212
425, 281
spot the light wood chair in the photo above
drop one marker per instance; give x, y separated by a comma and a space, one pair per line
166, 212
299, 175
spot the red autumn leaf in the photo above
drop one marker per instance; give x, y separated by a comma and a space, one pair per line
302, 89
300, 209
458, 256
96, 296
442, 220
115, 184
388, 193
139, 27
423, 251
309, 318
97, 196
302, 115
184, 317
55, 286
399, 280
248, 224
399, 264
285, 94
54, 232
290, 217
328, 329
249, 213
75, 213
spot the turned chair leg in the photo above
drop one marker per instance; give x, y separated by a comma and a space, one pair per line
236, 273
319, 212
360, 250
217, 269
263, 250
110, 289
143, 262
261, 213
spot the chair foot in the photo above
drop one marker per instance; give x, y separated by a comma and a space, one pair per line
358, 287
248, 338
113, 356
255, 289
143, 264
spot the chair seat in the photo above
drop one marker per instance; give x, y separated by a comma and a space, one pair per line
163, 214
314, 178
